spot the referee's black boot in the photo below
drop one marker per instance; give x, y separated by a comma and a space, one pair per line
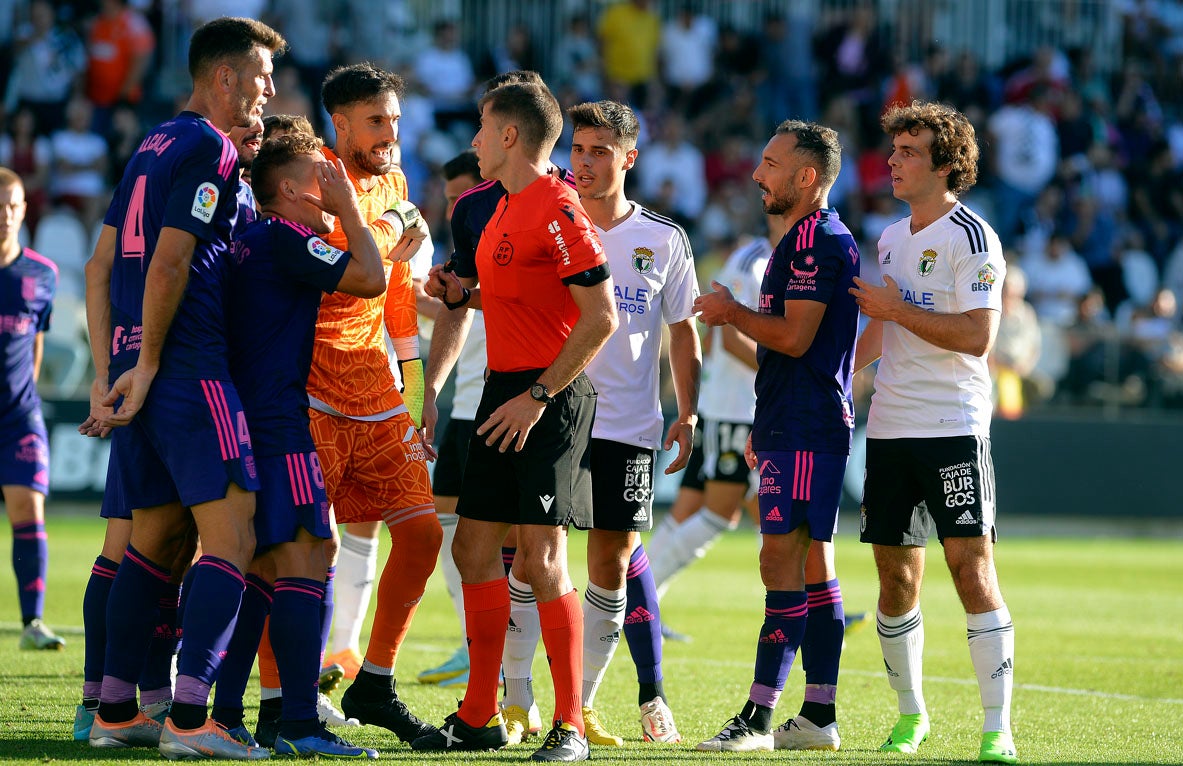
371, 699
564, 743
455, 734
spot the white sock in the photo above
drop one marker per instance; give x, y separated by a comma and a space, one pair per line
448, 566
902, 641
357, 563
603, 619
689, 542
992, 650
521, 641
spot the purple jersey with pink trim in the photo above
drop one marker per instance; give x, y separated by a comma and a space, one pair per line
281, 270
183, 175
27, 287
805, 403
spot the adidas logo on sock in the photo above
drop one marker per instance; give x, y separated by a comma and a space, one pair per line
638, 615
966, 518
890, 672
1005, 669
774, 515
641, 515
775, 637
513, 628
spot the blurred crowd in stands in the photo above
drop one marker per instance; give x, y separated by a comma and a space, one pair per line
1082, 172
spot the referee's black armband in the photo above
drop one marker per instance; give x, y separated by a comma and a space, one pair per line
464, 299
589, 278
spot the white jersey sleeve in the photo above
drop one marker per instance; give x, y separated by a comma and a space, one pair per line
952, 266
681, 283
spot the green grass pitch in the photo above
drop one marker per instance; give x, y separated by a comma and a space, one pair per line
1099, 660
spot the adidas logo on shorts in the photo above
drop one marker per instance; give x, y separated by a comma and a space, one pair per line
966, 518
641, 515
774, 515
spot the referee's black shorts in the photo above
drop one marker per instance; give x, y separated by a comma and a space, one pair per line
549, 481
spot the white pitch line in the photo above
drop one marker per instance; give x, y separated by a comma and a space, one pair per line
964, 682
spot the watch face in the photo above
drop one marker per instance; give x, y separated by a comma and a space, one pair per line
538, 391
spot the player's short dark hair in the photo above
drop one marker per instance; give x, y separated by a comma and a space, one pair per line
288, 123
357, 83
532, 108
954, 142
513, 77
227, 40
273, 158
463, 164
820, 144
613, 115
9, 177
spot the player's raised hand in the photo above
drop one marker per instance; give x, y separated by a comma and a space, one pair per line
682, 433
99, 412
337, 194
714, 309
443, 284
133, 387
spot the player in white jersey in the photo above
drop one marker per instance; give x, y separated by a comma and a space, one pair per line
655, 284
717, 479
928, 435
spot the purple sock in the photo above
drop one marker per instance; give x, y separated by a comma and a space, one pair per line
30, 561
642, 621
326, 612
214, 598
821, 648
784, 624
244, 645
94, 623
156, 679
507, 558
131, 615
298, 602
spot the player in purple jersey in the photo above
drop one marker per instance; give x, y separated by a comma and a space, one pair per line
28, 281
282, 268
155, 682
154, 303
805, 326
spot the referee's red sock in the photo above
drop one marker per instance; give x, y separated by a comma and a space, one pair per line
562, 634
486, 618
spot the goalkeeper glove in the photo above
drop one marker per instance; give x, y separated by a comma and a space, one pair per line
412, 374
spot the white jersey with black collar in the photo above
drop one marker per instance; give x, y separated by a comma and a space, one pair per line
951, 266
653, 276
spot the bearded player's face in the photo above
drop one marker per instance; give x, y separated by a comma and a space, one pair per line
367, 133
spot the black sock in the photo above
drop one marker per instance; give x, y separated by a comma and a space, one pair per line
818, 713
300, 729
230, 717
118, 712
270, 710
649, 691
759, 717
186, 715
371, 687
90, 703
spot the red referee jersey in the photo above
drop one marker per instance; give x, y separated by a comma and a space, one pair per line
535, 240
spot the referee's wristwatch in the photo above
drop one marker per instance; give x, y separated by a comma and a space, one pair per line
540, 393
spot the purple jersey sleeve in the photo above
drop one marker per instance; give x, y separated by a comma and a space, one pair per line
203, 180
307, 257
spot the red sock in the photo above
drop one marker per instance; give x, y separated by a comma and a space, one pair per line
415, 546
486, 618
268, 669
562, 634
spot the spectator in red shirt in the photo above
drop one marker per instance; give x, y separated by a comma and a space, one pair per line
118, 51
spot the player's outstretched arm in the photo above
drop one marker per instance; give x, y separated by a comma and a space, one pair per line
98, 327
869, 347
164, 287
686, 366
791, 334
739, 346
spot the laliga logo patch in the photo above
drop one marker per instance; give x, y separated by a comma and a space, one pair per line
928, 261
323, 250
503, 254
642, 260
204, 202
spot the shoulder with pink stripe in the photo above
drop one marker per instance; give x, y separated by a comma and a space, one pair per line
299, 228
482, 186
39, 258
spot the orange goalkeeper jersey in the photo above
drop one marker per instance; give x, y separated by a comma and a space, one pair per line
350, 369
